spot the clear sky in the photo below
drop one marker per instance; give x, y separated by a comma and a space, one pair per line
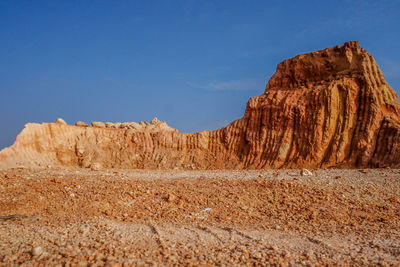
193, 64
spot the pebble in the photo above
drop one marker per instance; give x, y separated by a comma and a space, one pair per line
95, 166
305, 172
36, 251
171, 197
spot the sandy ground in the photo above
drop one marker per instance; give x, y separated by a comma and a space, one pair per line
78, 217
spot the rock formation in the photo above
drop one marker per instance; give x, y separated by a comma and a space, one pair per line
330, 108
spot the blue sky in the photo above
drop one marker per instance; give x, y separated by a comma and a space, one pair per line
193, 64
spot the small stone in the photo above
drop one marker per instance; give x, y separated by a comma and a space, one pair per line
99, 256
171, 197
305, 172
95, 166
394, 200
55, 180
61, 121
274, 248
181, 202
81, 124
36, 251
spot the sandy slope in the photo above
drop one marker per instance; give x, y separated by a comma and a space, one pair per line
118, 218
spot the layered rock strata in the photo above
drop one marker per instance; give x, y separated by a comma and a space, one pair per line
330, 108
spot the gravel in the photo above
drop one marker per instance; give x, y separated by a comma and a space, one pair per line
79, 217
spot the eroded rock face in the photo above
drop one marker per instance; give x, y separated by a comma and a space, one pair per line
327, 108
321, 109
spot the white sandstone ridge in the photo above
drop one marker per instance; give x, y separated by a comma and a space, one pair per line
154, 125
55, 144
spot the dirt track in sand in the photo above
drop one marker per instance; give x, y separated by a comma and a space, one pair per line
116, 217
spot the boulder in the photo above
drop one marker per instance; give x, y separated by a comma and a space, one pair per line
98, 124
61, 121
81, 124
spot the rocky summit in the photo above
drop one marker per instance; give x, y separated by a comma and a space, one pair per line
329, 108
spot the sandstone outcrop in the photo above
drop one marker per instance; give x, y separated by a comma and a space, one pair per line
329, 108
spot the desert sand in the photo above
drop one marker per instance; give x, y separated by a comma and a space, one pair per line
78, 217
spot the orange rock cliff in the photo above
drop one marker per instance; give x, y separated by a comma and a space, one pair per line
329, 108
